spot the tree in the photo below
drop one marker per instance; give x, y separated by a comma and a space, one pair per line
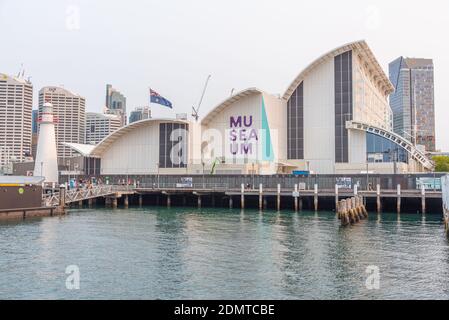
441, 163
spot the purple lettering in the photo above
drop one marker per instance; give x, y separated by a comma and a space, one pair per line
250, 121
236, 123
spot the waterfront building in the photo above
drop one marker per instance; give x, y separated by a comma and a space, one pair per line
334, 118
140, 113
116, 103
99, 126
16, 101
412, 102
69, 110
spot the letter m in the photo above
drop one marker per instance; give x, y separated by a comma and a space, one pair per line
236, 123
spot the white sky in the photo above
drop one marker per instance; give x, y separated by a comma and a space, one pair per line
172, 45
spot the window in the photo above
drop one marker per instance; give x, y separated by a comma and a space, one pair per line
295, 124
343, 104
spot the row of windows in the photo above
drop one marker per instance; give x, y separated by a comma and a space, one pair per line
173, 145
295, 124
343, 104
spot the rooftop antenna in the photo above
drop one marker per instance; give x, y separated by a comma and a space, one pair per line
195, 111
20, 71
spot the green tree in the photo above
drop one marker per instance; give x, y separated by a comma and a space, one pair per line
441, 163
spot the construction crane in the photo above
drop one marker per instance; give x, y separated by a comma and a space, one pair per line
195, 112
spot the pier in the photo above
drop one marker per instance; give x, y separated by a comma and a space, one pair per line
392, 193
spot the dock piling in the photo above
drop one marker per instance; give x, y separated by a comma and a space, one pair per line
379, 204
315, 198
423, 199
278, 200
242, 197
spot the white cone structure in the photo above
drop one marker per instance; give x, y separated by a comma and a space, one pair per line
46, 164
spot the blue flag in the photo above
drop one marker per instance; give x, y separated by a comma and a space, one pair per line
157, 98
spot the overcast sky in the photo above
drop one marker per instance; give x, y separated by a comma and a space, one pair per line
172, 45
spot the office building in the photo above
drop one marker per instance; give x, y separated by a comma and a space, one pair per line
16, 102
99, 126
69, 110
116, 103
412, 102
140, 113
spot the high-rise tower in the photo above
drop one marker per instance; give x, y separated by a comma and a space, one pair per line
412, 102
69, 110
16, 101
46, 164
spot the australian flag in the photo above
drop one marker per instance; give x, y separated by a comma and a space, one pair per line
157, 98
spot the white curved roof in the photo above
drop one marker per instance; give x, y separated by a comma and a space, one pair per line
234, 98
107, 141
365, 53
88, 150
83, 149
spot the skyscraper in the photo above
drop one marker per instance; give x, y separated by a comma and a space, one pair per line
16, 101
115, 103
412, 102
35, 132
99, 126
69, 110
140, 113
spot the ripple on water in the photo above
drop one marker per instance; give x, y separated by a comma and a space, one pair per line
223, 254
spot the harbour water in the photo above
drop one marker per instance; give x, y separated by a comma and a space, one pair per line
185, 253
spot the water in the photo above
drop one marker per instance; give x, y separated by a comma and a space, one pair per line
182, 253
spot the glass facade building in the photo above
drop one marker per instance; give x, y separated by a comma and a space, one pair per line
116, 103
381, 150
412, 102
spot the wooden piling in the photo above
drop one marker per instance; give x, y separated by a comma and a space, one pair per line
230, 202
242, 197
168, 201
398, 200
296, 198
379, 204
423, 199
114, 203
199, 201
278, 200
315, 198
126, 202
140, 200
336, 198
260, 197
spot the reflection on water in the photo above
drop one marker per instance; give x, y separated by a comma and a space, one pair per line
223, 254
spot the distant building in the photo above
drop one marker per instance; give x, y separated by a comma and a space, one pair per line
16, 101
69, 110
34, 132
140, 113
412, 102
99, 126
116, 103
